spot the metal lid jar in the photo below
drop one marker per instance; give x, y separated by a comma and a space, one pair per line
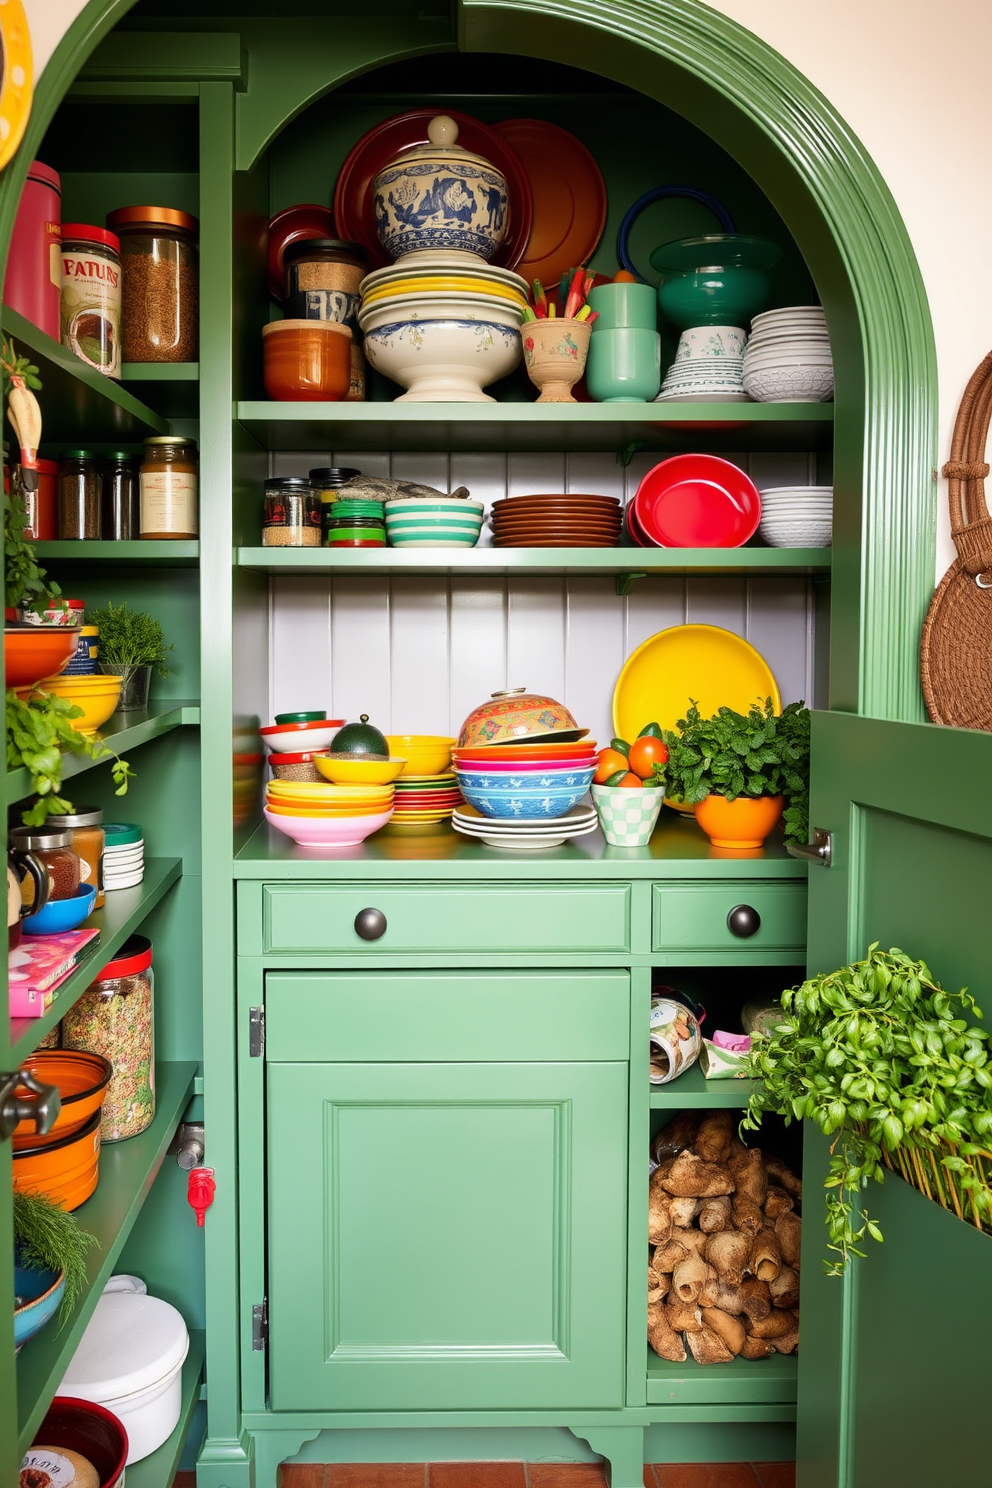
291, 517
160, 290
115, 1017
54, 850
168, 488
84, 827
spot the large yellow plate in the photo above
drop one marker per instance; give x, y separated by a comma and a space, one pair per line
15, 80
714, 666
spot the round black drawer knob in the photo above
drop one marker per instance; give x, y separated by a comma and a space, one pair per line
370, 924
742, 921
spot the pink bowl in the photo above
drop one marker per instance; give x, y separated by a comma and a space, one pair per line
339, 831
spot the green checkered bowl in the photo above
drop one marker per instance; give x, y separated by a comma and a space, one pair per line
628, 817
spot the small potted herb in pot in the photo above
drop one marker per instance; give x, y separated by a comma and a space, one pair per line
131, 644
739, 770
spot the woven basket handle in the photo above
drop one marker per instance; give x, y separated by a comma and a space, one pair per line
965, 471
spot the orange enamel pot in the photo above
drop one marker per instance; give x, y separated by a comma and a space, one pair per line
65, 1171
81, 1079
745, 822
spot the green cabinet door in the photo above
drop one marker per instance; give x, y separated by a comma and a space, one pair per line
446, 1236
894, 1367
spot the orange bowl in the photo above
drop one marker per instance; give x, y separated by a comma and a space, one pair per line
81, 1078
278, 809
65, 1171
306, 360
37, 651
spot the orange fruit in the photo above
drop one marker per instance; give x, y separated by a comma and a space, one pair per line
645, 753
630, 782
610, 761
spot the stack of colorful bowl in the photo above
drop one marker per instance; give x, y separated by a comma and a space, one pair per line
445, 522
327, 816
426, 789
64, 1163
294, 739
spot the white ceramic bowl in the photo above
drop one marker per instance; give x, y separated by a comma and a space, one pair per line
799, 356
448, 359
417, 506
433, 524
296, 740
492, 308
445, 262
798, 532
790, 384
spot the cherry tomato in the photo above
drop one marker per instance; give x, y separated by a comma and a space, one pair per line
645, 753
610, 761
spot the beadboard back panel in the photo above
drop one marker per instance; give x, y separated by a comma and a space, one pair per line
416, 652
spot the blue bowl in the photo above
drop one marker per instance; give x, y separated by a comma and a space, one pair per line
523, 804
526, 780
61, 914
42, 1293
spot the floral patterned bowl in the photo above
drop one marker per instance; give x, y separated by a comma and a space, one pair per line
445, 352
515, 716
529, 805
560, 779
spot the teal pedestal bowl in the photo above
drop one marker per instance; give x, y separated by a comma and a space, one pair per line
719, 279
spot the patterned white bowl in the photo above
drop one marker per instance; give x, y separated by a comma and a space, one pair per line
790, 384
796, 532
443, 360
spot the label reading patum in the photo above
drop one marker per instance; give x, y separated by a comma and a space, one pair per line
168, 503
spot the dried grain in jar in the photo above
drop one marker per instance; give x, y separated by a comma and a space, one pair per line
79, 495
160, 290
291, 517
121, 507
91, 296
85, 828
115, 1017
168, 488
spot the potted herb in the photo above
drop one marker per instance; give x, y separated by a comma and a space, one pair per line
740, 770
131, 644
887, 1064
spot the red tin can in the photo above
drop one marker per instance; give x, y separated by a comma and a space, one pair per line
41, 506
33, 280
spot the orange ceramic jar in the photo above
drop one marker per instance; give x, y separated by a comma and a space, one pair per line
306, 360
743, 823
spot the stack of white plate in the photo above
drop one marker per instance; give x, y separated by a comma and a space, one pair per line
788, 358
797, 516
529, 834
123, 856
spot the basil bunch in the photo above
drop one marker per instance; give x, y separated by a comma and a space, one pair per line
880, 1058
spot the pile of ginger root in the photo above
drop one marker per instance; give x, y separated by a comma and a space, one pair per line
723, 1232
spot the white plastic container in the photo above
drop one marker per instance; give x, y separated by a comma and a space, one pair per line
130, 1360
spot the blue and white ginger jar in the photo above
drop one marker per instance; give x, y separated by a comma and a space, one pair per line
440, 197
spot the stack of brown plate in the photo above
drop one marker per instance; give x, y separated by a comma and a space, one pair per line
560, 521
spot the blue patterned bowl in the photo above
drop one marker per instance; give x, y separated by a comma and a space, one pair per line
541, 781
507, 805
439, 196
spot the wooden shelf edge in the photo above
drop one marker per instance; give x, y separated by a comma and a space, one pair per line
158, 1470
687, 414
127, 1172
122, 731
692, 1091
770, 1381
160, 371
123, 913
136, 553
609, 562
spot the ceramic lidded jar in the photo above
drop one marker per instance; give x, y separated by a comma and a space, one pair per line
519, 717
439, 196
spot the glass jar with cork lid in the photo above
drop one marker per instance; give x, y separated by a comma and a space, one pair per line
168, 489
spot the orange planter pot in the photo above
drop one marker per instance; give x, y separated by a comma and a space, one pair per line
745, 822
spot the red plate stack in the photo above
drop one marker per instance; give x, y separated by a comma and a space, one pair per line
561, 521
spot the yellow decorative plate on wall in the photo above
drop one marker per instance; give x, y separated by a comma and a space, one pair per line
714, 666
15, 77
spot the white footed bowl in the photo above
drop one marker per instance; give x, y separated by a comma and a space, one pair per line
443, 353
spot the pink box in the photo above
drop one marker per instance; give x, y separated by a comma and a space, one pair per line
37, 967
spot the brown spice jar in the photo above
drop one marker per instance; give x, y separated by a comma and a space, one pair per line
168, 486
54, 849
88, 838
160, 288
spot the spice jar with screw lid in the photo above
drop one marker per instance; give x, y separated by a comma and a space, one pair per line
91, 295
291, 516
79, 495
160, 289
115, 1017
168, 488
121, 518
54, 850
87, 839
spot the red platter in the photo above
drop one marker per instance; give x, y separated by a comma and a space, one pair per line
694, 501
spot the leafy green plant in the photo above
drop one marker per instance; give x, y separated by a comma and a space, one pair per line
50, 1239
25, 583
130, 638
39, 732
757, 753
882, 1059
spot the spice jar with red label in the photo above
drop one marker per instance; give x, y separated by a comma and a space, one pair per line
91, 296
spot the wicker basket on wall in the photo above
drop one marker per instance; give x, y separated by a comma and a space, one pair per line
956, 647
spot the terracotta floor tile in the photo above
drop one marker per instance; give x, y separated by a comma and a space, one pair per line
567, 1475
477, 1475
375, 1475
776, 1474
302, 1475
184, 1480
650, 1481
705, 1475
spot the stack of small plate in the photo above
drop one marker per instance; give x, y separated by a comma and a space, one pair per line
520, 834
423, 799
797, 516
123, 855
788, 358
559, 521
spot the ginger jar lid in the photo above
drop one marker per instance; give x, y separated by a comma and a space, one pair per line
442, 134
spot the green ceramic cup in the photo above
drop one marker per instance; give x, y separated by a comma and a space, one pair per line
624, 366
621, 306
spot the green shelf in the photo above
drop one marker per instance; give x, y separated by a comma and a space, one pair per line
122, 731
173, 387
159, 1469
120, 917
744, 1382
131, 554
80, 405
692, 1091
127, 1172
621, 563
538, 426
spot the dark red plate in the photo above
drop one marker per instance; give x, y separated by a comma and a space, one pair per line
696, 501
353, 210
291, 226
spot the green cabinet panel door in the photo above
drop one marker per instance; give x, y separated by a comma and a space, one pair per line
446, 1237
700, 917
894, 1371
300, 918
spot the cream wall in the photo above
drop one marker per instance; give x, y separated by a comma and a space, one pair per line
911, 78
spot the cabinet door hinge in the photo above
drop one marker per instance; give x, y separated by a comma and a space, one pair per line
256, 1032
260, 1325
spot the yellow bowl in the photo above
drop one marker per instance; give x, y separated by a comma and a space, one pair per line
374, 808
98, 700
426, 754
317, 791
442, 285
359, 771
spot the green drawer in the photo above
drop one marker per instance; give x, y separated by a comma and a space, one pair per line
410, 1016
300, 918
698, 917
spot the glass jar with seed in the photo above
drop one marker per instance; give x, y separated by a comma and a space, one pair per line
160, 289
115, 1017
291, 517
79, 495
